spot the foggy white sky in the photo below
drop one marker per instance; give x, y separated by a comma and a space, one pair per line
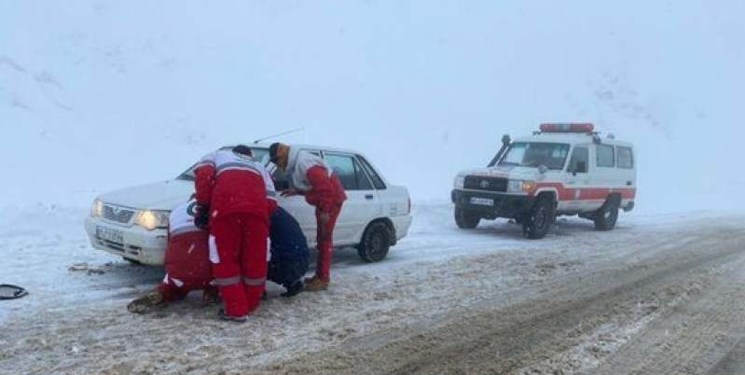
98, 95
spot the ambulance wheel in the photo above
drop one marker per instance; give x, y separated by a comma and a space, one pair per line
375, 242
539, 219
607, 216
466, 219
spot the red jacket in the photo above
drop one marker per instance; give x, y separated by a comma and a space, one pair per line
228, 182
312, 177
326, 189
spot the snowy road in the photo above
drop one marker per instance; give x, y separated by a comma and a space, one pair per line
661, 294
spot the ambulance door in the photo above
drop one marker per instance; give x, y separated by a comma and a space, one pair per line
604, 176
577, 178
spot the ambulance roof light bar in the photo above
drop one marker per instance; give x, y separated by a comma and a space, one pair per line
569, 127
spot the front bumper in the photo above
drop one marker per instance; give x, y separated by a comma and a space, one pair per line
131, 242
491, 205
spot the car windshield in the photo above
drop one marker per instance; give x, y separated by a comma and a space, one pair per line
535, 154
259, 154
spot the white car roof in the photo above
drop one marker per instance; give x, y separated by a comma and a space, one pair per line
303, 146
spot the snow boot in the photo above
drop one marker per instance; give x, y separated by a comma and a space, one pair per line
238, 319
145, 303
314, 284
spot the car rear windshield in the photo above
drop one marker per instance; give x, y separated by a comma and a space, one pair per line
535, 154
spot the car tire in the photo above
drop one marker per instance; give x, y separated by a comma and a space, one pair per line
132, 261
375, 242
607, 216
539, 219
466, 219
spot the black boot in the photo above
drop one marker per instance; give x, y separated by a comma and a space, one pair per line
293, 289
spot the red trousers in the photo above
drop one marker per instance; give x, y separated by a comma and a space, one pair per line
172, 292
187, 265
324, 240
238, 251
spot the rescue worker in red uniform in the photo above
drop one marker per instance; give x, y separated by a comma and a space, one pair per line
312, 177
235, 196
188, 266
187, 262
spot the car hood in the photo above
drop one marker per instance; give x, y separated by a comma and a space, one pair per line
516, 173
157, 196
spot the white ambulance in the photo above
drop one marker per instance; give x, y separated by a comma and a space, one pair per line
563, 169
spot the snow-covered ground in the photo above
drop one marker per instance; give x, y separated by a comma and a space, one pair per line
47, 252
75, 320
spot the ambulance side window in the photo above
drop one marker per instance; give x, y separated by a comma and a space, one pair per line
605, 156
625, 157
579, 160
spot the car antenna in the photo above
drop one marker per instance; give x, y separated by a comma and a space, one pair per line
279, 134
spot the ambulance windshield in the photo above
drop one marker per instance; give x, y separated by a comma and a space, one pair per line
535, 154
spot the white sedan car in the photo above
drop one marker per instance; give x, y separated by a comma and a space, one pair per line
133, 222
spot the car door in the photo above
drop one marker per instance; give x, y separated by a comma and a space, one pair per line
362, 201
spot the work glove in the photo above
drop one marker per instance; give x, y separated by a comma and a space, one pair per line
201, 216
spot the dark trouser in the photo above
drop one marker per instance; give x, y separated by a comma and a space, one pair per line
287, 271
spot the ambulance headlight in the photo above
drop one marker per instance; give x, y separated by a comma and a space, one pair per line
151, 219
459, 182
97, 208
521, 186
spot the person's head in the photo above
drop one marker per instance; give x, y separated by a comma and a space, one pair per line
278, 154
243, 150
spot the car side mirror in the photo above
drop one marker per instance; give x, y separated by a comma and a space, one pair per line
578, 167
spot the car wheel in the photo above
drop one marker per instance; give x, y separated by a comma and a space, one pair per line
607, 216
539, 219
375, 242
466, 219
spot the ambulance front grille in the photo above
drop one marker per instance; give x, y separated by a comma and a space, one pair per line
497, 184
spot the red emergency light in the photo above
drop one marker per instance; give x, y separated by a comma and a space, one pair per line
575, 127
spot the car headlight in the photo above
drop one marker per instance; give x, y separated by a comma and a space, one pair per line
97, 208
459, 182
520, 186
151, 219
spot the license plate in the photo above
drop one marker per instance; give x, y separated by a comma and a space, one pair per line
109, 234
482, 201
